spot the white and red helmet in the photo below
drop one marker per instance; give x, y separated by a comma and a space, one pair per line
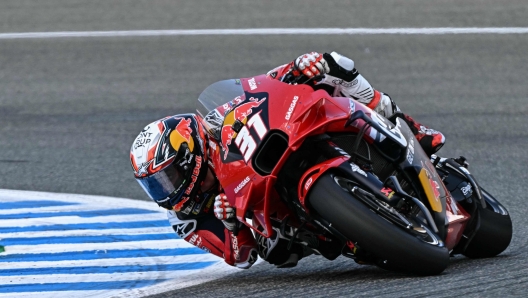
169, 159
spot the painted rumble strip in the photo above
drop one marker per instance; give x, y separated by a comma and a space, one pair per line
269, 31
67, 245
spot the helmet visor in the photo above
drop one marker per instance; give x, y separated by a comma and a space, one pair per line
164, 185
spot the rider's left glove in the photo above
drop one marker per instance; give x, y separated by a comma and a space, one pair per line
311, 64
224, 212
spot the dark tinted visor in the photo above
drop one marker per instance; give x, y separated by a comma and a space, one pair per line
164, 185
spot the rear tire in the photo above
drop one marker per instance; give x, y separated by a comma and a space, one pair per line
393, 247
495, 232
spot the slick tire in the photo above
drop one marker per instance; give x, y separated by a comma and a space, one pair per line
494, 234
395, 248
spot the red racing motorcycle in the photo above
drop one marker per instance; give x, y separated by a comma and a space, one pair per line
336, 177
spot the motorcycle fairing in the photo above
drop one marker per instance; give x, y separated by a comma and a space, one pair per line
298, 112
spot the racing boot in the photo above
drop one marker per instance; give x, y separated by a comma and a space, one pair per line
240, 250
278, 251
431, 140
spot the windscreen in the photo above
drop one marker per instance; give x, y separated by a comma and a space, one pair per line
219, 93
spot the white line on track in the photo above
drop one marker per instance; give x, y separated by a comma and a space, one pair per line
93, 277
55, 294
9, 195
56, 248
55, 209
76, 220
151, 260
269, 31
137, 231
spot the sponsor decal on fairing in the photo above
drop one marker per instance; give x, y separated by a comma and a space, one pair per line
237, 100
466, 190
388, 192
357, 169
242, 184
395, 131
291, 108
252, 84
410, 151
436, 188
352, 106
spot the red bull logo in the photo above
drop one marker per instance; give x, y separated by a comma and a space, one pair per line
435, 187
182, 133
244, 110
227, 136
239, 113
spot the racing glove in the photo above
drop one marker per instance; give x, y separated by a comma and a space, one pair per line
311, 64
224, 212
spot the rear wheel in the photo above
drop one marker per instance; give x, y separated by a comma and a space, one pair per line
412, 249
495, 231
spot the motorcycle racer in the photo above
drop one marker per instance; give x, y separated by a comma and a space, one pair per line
170, 162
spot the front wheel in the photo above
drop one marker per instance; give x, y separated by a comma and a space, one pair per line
393, 246
495, 230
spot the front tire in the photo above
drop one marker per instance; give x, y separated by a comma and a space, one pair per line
495, 231
393, 247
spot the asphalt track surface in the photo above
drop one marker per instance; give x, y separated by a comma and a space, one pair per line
70, 108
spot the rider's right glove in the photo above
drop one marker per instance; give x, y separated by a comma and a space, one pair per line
224, 212
311, 64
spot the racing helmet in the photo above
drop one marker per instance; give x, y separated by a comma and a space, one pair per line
169, 159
